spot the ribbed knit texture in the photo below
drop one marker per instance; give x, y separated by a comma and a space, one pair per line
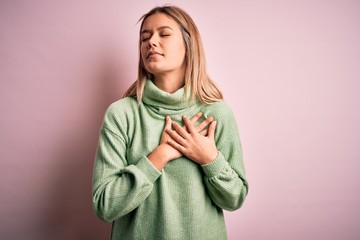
185, 200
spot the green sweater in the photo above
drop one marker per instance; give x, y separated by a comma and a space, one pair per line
184, 200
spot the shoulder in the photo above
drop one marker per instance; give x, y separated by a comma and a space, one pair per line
121, 106
221, 111
119, 112
223, 115
226, 132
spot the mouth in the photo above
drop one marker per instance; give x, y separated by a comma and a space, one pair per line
152, 53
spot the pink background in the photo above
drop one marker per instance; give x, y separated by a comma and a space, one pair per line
289, 69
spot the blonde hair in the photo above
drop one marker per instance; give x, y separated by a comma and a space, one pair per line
197, 82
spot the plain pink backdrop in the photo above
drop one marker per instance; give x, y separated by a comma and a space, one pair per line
289, 69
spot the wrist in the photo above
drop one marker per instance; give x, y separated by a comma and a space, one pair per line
209, 158
158, 157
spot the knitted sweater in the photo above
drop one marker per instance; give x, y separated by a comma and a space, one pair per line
184, 200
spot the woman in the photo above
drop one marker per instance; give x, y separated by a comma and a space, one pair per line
169, 157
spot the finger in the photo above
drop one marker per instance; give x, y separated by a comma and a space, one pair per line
190, 127
180, 130
204, 123
196, 117
204, 132
175, 145
211, 131
176, 137
167, 123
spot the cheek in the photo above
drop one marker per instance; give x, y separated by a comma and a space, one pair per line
142, 52
181, 47
178, 51
143, 58
181, 51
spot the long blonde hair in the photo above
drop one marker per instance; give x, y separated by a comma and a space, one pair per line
197, 82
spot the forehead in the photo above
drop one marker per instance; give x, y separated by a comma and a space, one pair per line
159, 20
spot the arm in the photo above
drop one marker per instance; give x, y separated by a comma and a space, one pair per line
222, 164
225, 176
119, 188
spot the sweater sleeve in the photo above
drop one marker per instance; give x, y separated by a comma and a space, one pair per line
225, 176
119, 188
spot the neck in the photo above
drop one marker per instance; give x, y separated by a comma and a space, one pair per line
169, 82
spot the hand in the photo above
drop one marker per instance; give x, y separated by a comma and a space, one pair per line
173, 153
165, 152
198, 147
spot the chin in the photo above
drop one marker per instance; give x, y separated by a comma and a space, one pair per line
154, 69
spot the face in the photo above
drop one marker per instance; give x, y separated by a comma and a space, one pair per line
162, 46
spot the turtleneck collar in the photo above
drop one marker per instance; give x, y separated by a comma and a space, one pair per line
160, 99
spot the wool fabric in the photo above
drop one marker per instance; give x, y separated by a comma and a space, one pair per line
183, 201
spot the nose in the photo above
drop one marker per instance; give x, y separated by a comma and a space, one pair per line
153, 41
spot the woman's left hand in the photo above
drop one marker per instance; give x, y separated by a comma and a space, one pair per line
191, 143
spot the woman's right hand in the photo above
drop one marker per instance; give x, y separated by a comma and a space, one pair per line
165, 152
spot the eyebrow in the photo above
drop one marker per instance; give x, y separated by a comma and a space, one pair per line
159, 28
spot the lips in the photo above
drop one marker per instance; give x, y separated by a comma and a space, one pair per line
151, 53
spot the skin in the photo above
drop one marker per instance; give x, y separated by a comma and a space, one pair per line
161, 35
163, 54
